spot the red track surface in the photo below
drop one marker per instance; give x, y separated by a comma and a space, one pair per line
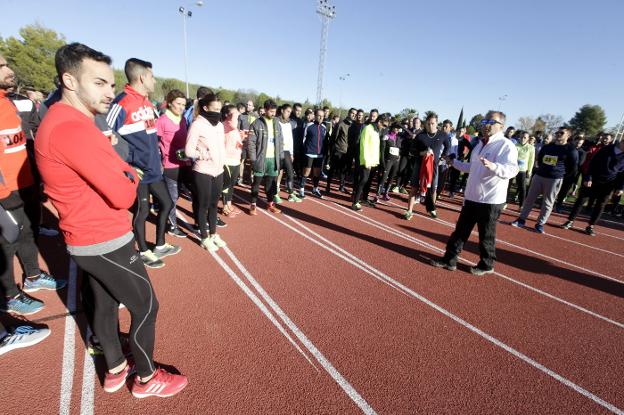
349, 317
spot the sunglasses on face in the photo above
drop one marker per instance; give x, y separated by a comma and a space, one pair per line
490, 122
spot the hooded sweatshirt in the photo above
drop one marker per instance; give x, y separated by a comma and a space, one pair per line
206, 144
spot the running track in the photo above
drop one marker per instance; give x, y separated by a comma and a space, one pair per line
325, 310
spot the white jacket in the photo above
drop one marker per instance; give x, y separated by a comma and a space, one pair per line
485, 185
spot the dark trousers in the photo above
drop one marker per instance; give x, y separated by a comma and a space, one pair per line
160, 192
453, 179
270, 187
338, 165
521, 187
599, 192
405, 171
209, 189
26, 251
484, 215
287, 162
567, 184
120, 277
365, 178
391, 169
230, 177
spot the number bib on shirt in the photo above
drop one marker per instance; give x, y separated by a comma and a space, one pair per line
394, 151
550, 160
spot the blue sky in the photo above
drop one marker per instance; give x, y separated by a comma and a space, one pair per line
547, 56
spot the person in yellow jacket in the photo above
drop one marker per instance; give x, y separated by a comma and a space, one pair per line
369, 159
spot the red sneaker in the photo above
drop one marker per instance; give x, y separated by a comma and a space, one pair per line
114, 382
163, 385
252, 210
273, 209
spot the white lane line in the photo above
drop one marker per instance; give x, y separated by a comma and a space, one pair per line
480, 332
88, 381
599, 274
548, 235
69, 344
400, 234
351, 259
333, 372
254, 298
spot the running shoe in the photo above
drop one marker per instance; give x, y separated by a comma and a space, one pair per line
518, 223
480, 271
567, 225
293, 198
371, 203
342, 189
176, 232
396, 189
356, 206
216, 239
167, 250
438, 263
44, 281
252, 210
220, 223
302, 193
114, 382
163, 385
539, 228
22, 336
150, 260
408, 215
403, 190
22, 304
273, 209
317, 193
385, 197
50, 232
590, 231
94, 347
277, 200
451, 195
433, 214
209, 245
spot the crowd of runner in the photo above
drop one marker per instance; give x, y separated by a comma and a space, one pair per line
106, 162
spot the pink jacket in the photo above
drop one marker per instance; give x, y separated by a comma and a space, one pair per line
206, 144
172, 137
233, 145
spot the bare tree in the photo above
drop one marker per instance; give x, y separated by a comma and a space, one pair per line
526, 123
551, 122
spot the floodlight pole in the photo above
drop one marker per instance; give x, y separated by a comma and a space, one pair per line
619, 133
187, 14
327, 12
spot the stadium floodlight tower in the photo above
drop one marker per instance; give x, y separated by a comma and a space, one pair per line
187, 14
327, 12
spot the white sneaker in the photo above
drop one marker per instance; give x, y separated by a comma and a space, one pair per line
216, 239
23, 336
209, 244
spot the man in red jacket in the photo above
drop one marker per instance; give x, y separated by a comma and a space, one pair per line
92, 189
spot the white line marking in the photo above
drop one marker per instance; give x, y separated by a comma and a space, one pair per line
599, 274
400, 234
88, 381
254, 298
69, 344
480, 332
333, 372
549, 235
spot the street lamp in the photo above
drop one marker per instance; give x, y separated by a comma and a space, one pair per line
327, 13
341, 78
187, 14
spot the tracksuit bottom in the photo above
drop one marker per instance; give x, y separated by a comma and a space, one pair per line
547, 187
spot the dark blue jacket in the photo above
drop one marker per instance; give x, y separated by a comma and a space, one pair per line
607, 166
314, 139
557, 161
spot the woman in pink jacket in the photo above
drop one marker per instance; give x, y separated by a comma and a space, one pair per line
171, 129
206, 144
233, 151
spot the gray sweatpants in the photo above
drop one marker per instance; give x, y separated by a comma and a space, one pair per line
549, 188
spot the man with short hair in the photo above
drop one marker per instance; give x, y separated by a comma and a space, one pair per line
555, 161
526, 160
569, 183
314, 148
493, 162
339, 151
265, 154
287, 125
92, 188
134, 118
605, 175
370, 145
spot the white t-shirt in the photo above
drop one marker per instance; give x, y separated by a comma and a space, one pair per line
287, 136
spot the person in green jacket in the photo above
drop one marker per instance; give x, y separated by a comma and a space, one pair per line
369, 159
526, 159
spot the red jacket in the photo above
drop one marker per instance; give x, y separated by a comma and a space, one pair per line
426, 173
84, 177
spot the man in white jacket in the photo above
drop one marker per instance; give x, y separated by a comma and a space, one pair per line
494, 160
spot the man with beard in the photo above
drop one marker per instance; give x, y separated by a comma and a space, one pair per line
492, 163
92, 188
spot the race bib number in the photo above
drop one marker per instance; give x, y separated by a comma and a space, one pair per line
550, 160
394, 151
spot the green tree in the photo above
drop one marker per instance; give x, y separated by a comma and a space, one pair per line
408, 113
32, 56
590, 119
260, 99
474, 121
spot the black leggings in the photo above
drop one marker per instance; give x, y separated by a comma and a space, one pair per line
208, 190
405, 171
599, 192
160, 192
365, 178
120, 277
287, 162
338, 165
521, 187
230, 176
390, 170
